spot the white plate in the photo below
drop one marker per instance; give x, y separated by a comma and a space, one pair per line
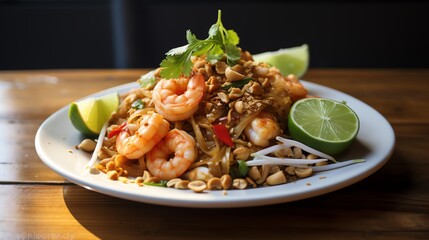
56, 138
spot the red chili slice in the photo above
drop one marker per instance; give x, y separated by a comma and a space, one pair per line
117, 130
222, 134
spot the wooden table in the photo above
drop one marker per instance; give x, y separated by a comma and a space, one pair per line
36, 203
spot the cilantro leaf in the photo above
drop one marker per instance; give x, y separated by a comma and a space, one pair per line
174, 65
233, 37
233, 54
177, 51
220, 42
214, 30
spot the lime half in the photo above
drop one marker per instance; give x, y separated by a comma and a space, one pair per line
326, 125
88, 116
288, 60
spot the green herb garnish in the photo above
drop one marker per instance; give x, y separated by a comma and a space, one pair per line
148, 80
137, 104
220, 42
162, 183
243, 169
240, 170
237, 84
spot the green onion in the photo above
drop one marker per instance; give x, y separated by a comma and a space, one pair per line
240, 170
162, 183
243, 169
137, 104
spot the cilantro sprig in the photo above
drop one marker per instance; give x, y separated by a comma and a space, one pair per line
220, 42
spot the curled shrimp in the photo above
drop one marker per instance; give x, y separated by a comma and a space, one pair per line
178, 99
295, 88
139, 136
261, 129
171, 157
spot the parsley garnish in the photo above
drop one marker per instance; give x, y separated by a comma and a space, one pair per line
220, 42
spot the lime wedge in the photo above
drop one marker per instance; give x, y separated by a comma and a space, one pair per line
88, 116
288, 60
323, 124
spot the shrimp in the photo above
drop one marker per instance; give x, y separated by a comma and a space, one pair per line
178, 99
150, 128
171, 157
262, 129
295, 88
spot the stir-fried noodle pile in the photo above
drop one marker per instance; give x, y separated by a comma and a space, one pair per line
202, 127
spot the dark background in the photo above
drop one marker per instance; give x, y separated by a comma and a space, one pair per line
45, 34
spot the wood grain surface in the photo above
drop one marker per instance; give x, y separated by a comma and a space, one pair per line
36, 203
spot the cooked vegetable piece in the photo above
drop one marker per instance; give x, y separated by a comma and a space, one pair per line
117, 130
162, 183
222, 134
137, 104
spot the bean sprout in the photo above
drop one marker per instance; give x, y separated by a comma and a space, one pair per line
289, 142
94, 156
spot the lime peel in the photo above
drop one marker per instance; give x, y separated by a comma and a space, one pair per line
89, 115
324, 124
294, 60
